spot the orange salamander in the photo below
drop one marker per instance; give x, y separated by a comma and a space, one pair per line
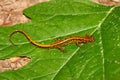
58, 43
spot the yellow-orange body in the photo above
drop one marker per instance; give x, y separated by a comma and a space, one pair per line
58, 43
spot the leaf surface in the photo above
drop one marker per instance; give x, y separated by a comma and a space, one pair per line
98, 60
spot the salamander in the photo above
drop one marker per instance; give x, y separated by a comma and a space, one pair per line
58, 43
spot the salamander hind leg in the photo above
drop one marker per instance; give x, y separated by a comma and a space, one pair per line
78, 44
61, 49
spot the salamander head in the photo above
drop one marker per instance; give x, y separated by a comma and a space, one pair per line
89, 38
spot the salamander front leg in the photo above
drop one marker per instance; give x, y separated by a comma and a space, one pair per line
57, 40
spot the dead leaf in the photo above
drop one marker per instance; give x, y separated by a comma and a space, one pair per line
107, 2
13, 63
11, 11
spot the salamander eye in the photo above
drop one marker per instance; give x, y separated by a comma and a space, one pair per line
93, 39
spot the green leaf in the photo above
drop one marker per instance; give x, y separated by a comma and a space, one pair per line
98, 60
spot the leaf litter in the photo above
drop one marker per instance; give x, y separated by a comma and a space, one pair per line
11, 11
13, 63
107, 2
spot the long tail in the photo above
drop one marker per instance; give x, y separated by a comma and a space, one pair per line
20, 31
29, 39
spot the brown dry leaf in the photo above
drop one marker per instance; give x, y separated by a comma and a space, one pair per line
13, 63
107, 2
11, 11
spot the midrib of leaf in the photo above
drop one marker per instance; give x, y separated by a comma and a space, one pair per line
101, 42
